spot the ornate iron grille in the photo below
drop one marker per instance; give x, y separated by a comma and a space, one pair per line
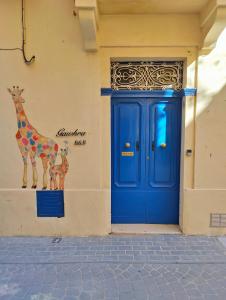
147, 75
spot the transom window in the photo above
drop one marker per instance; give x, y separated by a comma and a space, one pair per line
147, 75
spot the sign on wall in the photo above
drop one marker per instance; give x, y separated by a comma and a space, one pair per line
78, 134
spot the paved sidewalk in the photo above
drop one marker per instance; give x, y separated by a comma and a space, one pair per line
114, 267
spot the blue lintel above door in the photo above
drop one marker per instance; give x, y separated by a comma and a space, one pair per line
148, 93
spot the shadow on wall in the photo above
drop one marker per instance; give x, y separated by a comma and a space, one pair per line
211, 73
210, 150
211, 76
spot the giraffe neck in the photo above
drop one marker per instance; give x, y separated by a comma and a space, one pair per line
64, 161
64, 164
22, 119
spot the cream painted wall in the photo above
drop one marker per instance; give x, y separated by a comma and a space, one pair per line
197, 206
62, 89
209, 192
85, 214
210, 162
150, 30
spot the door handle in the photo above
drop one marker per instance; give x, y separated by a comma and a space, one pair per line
163, 145
137, 146
153, 146
127, 145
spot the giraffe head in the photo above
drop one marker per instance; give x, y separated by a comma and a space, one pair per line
16, 94
64, 151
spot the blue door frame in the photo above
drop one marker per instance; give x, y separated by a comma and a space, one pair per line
146, 138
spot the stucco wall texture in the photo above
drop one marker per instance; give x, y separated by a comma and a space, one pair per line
62, 90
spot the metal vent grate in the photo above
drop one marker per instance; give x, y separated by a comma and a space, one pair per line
217, 220
50, 203
149, 75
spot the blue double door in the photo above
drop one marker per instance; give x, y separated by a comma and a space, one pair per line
146, 136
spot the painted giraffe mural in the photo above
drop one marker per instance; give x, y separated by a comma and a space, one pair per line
59, 170
31, 142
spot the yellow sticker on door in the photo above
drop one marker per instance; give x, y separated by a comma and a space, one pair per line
127, 153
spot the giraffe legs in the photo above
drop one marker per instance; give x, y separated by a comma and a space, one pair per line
34, 172
25, 171
45, 167
53, 183
24, 154
61, 182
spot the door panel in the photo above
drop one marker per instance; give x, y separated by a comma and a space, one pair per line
127, 118
145, 160
129, 206
163, 140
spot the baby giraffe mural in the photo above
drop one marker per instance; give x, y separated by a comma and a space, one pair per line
31, 142
59, 170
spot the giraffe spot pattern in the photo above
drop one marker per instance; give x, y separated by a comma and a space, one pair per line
24, 141
32, 142
39, 149
18, 135
29, 134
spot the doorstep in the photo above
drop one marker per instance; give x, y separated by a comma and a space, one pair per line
145, 229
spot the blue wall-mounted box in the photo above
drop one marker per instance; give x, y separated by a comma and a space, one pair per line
50, 203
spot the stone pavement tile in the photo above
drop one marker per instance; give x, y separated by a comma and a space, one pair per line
78, 249
181, 296
126, 296
215, 297
85, 296
163, 297
139, 295
222, 241
194, 292
39, 269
